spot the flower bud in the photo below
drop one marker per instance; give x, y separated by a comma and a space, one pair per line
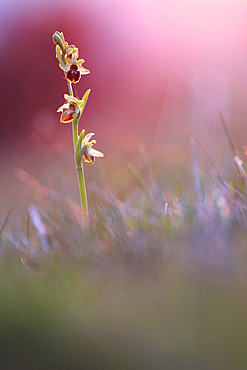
58, 39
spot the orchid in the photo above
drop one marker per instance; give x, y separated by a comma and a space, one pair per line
88, 153
71, 109
73, 67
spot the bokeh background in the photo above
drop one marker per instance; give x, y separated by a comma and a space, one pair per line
161, 71
158, 280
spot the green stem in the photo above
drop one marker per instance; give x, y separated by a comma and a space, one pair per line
69, 86
79, 167
79, 164
82, 187
75, 131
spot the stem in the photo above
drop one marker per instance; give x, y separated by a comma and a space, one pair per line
79, 165
75, 131
82, 186
79, 168
69, 86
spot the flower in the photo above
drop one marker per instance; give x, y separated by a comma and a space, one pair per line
73, 67
68, 58
88, 153
71, 109
59, 40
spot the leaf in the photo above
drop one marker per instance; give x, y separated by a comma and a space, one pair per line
84, 102
78, 149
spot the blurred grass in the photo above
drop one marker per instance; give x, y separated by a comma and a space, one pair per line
157, 281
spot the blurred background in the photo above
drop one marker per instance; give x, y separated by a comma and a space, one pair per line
161, 71
159, 279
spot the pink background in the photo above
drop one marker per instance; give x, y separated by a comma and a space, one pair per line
160, 71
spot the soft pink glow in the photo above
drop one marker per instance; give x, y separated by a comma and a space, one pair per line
158, 68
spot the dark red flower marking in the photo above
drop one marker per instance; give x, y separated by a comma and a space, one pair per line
73, 75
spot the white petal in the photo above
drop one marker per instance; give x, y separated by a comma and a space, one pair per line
83, 71
94, 153
64, 106
80, 61
87, 138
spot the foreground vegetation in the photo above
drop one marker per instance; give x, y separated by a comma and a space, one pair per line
157, 280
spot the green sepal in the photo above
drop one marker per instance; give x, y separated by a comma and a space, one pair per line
84, 102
